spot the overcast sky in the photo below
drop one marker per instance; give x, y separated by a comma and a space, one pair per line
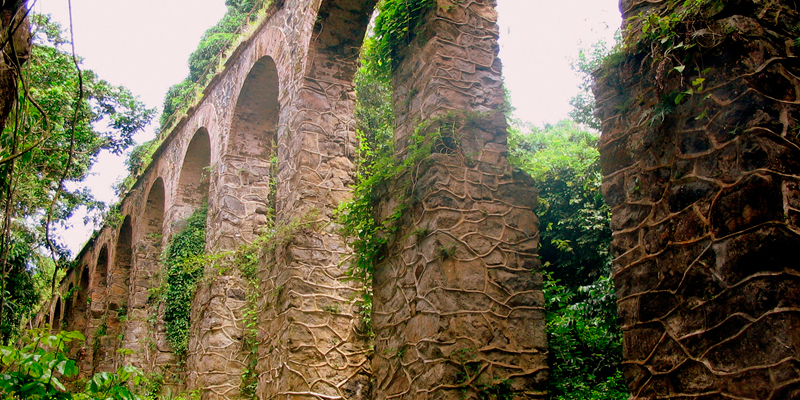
145, 44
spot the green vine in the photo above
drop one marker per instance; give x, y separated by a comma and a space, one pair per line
396, 26
245, 262
382, 171
184, 263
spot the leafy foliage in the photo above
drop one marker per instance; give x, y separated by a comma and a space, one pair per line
61, 121
584, 338
52, 81
395, 27
21, 294
573, 217
35, 369
32, 371
184, 263
589, 60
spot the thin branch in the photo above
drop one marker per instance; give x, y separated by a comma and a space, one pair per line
65, 173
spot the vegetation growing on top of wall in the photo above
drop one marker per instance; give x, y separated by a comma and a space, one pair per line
210, 55
184, 263
672, 35
207, 60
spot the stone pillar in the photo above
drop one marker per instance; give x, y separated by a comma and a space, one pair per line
310, 346
458, 306
701, 157
218, 355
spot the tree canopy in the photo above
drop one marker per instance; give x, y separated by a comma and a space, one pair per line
63, 118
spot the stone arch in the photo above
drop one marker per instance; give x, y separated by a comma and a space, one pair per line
84, 282
121, 268
55, 320
153, 229
338, 34
99, 283
193, 182
69, 304
249, 166
80, 306
194, 177
317, 145
255, 116
448, 73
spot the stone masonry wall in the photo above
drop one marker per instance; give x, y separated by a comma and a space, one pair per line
458, 307
705, 200
273, 143
309, 343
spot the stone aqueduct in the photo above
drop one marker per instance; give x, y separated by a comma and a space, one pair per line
705, 223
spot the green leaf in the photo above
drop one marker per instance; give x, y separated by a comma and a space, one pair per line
74, 335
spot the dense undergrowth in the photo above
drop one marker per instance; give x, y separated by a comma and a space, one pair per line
584, 338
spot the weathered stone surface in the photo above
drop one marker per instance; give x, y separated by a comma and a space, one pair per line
704, 201
272, 142
438, 303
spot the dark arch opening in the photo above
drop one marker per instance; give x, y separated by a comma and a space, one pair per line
56, 321
84, 285
344, 42
99, 281
255, 118
154, 214
120, 275
80, 304
69, 304
193, 183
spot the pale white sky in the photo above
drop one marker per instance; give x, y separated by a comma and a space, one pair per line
145, 44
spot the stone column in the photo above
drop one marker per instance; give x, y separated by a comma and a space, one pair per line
310, 346
701, 157
458, 307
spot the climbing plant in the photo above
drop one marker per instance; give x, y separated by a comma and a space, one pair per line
397, 23
184, 263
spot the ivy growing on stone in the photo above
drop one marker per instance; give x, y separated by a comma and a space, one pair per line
396, 25
184, 264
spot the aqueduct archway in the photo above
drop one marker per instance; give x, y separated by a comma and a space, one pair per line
700, 293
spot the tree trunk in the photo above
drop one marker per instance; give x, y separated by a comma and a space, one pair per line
16, 46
